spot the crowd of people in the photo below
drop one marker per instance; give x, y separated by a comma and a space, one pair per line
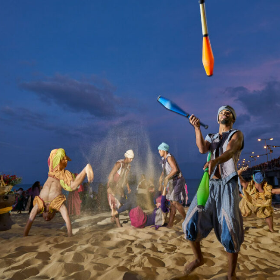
24, 199
222, 212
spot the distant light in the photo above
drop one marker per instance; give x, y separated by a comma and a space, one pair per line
271, 139
258, 156
253, 152
259, 139
264, 147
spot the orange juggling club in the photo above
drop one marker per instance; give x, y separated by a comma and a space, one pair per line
207, 54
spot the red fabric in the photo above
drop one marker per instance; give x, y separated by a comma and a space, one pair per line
74, 203
137, 217
81, 188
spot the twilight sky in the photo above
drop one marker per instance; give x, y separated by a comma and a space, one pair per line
85, 76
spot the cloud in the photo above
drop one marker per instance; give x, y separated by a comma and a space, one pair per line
94, 96
263, 103
242, 119
26, 119
262, 108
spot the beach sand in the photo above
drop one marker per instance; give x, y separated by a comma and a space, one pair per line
99, 250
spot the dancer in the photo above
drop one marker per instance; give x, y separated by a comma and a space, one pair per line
139, 218
257, 198
118, 178
51, 198
221, 211
172, 177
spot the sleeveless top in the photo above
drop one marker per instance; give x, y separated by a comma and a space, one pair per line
218, 147
123, 171
167, 168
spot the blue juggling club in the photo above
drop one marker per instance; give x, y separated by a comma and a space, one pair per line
168, 104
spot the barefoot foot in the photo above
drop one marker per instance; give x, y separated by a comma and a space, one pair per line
188, 268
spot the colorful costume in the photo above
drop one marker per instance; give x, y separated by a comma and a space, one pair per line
256, 202
54, 205
176, 185
120, 179
139, 218
64, 176
221, 211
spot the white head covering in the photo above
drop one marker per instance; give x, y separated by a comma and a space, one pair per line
129, 154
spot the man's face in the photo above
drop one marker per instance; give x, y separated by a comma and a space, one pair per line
48, 216
63, 163
258, 185
129, 160
161, 152
226, 117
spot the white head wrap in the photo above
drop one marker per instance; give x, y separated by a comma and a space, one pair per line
129, 154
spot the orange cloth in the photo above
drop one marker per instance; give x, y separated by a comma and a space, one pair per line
54, 205
65, 176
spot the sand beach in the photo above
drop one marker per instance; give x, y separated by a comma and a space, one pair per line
99, 250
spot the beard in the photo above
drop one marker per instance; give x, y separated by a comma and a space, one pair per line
225, 121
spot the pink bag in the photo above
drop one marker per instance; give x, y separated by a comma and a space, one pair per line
137, 217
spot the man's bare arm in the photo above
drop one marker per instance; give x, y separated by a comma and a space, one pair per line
275, 191
31, 218
234, 145
173, 171
203, 146
160, 181
243, 183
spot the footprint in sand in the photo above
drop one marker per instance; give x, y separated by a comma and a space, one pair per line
25, 273
122, 268
100, 266
80, 275
78, 257
64, 245
15, 255
73, 267
45, 256
155, 262
27, 249
131, 276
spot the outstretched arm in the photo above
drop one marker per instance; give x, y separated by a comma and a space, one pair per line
32, 216
64, 213
243, 183
275, 191
87, 171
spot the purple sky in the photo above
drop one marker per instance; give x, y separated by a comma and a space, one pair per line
85, 76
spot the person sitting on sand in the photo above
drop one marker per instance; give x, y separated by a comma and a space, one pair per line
257, 197
172, 177
50, 199
117, 180
139, 218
